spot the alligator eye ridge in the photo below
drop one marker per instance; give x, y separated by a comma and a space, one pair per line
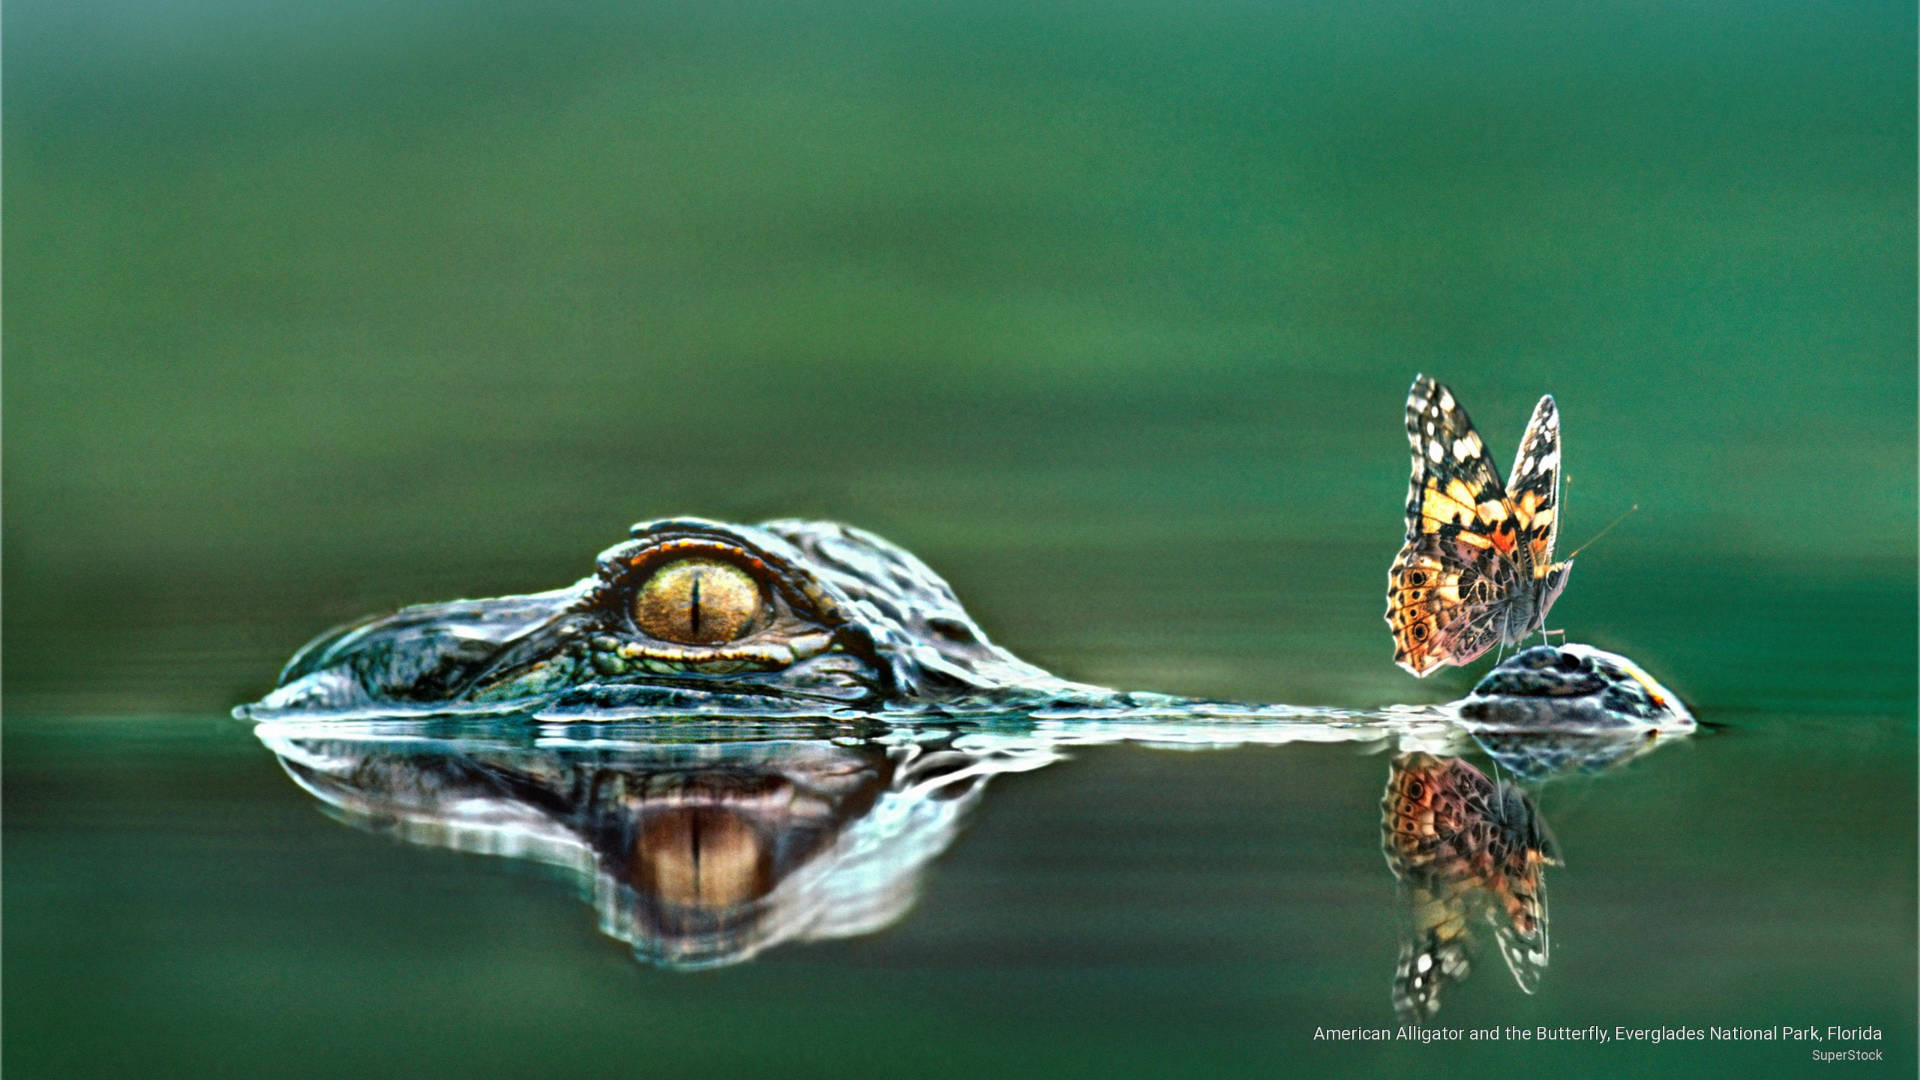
698, 602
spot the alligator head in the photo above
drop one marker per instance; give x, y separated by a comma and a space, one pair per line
687, 616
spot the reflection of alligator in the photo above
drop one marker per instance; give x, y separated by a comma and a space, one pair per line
789, 618
697, 853
702, 844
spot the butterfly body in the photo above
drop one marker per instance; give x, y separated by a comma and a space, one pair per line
1477, 567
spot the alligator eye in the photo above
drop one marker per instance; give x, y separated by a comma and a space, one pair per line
697, 602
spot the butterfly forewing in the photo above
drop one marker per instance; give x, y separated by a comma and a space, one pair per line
1533, 489
1461, 564
1452, 476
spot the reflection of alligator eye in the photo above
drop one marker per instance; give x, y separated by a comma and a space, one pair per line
707, 859
697, 602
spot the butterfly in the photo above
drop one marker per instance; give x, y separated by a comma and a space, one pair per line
1477, 568
1465, 849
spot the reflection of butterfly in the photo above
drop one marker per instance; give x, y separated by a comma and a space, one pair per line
1477, 567
1463, 847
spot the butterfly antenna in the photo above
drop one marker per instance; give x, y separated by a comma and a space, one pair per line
1601, 533
1498, 775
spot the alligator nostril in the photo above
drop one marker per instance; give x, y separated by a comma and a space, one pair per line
1569, 662
952, 629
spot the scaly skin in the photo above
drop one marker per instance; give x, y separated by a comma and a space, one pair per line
798, 618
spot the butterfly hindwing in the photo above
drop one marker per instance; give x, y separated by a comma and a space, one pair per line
1444, 605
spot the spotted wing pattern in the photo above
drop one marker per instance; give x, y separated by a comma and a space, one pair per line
1465, 850
1533, 488
1469, 551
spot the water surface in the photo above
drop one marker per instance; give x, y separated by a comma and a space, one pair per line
313, 313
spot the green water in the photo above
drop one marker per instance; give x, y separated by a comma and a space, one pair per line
1109, 316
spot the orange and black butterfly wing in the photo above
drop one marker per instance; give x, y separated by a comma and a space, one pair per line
1519, 849
1418, 819
1446, 605
1450, 584
1533, 488
1463, 846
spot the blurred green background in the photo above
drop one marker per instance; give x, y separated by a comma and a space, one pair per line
1108, 313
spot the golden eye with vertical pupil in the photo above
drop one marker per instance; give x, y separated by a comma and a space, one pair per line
697, 602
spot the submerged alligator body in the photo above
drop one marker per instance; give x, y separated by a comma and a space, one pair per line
799, 618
